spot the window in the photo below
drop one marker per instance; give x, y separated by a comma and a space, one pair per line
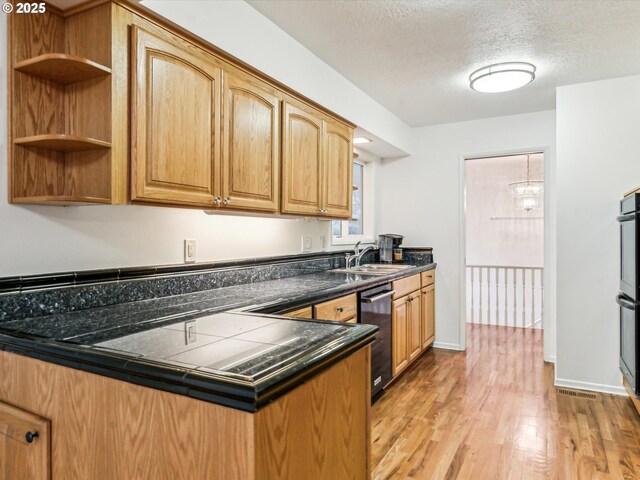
357, 229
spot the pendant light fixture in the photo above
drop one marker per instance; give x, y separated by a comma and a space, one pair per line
502, 77
528, 193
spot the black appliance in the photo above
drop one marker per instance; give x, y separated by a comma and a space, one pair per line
375, 309
629, 298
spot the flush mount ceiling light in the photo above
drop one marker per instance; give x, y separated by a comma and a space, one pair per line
502, 77
358, 140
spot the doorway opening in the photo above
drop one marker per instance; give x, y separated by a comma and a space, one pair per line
504, 244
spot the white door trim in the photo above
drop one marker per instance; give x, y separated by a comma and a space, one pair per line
549, 290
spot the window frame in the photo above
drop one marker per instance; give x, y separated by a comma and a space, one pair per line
367, 211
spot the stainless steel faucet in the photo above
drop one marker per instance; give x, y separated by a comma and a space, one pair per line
358, 254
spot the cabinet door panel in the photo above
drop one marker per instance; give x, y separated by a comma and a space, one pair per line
428, 315
338, 170
251, 155
415, 330
20, 458
175, 121
301, 160
399, 331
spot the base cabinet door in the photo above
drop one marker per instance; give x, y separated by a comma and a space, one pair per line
301, 159
427, 296
251, 144
414, 335
399, 333
25, 445
175, 121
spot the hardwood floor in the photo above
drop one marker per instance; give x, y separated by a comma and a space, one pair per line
493, 413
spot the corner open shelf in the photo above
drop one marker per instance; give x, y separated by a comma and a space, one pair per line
62, 143
62, 68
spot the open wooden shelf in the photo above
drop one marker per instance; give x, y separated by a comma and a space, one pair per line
62, 68
62, 142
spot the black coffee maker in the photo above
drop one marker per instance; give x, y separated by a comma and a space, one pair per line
390, 243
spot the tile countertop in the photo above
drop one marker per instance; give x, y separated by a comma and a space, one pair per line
187, 345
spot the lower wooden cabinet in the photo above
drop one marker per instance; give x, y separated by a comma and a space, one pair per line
399, 335
25, 445
413, 319
428, 307
405, 331
343, 309
305, 312
415, 326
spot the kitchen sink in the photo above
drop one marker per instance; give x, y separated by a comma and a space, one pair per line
373, 269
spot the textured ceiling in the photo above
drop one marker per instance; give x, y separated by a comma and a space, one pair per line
415, 56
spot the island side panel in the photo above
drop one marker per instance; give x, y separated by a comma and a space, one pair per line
110, 429
321, 429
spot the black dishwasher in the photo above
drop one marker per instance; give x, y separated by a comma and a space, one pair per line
375, 309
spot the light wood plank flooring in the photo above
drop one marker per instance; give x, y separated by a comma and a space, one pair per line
493, 413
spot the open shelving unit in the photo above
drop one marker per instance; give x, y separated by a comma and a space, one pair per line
60, 108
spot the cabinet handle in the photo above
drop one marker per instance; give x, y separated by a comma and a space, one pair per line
323, 210
31, 436
340, 309
227, 200
217, 201
409, 299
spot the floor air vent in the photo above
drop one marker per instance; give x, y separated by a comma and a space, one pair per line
578, 394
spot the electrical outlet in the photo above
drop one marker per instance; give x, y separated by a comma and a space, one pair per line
190, 333
306, 243
323, 242
189, 251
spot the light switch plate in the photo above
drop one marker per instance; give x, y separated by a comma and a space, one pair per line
189, 250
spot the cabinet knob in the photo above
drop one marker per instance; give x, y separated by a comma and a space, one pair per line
31, 436
217, 200
340, 309
227, 200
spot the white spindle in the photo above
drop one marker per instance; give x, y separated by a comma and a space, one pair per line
522, 314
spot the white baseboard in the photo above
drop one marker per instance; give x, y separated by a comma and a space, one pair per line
448, 346
592, 387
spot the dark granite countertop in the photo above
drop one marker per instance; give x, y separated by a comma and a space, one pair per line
187, 345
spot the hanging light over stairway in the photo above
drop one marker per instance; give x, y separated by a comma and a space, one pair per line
527, 193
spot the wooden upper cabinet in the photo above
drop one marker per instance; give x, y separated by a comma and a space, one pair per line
25, 445
251, 143
338, 169
175, 120
301, 159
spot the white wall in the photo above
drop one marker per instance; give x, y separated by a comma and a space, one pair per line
35, 239
497, 232
420, 197
598, 160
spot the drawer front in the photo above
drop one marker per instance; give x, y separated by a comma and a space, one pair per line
304, 312
405, 286
341, 309
428, 277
